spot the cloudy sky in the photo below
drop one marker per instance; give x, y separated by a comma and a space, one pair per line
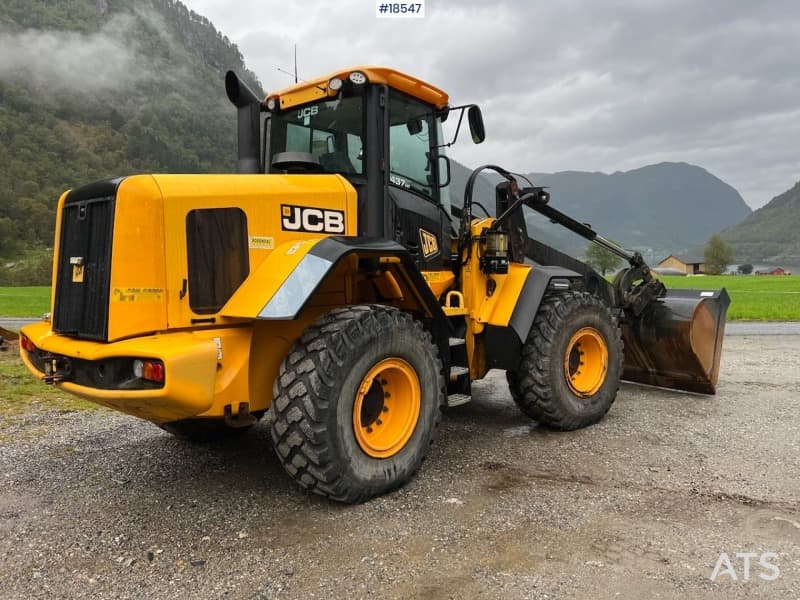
571, 84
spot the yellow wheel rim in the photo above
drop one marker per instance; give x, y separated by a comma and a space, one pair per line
586, 362
386, 409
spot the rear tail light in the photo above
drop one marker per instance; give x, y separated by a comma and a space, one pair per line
26, 343
152, 370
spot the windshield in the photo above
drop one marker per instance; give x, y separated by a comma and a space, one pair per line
331, 130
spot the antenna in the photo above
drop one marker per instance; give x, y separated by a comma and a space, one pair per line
296, 78
285, 72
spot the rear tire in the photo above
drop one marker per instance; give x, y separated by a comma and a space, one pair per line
571, 363
357, 403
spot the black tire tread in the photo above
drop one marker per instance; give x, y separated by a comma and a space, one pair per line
308, 377
531, 386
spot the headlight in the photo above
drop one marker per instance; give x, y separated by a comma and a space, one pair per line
357, 78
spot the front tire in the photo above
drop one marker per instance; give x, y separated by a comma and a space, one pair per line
357, 403
571, 363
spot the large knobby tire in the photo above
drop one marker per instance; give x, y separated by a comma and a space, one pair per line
357, 403
571, 363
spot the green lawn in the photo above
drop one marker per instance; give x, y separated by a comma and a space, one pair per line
24, 301
753, 298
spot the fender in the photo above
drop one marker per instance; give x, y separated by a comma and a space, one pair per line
503, 344
282, 285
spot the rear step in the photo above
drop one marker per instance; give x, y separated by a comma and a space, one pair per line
457, 400
459, 374
456, 372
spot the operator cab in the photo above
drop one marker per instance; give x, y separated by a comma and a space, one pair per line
382, 131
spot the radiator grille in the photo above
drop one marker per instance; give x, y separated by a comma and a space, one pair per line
84, 268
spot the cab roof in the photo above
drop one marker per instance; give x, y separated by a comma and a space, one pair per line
316, 89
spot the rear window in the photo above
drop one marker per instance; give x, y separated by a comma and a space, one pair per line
217, 249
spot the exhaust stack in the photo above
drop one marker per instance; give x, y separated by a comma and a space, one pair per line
248, 107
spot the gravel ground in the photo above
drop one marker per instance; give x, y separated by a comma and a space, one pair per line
97, 504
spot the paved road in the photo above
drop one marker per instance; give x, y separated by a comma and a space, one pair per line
761, 328
15, 323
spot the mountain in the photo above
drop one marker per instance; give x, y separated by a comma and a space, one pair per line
91, 89
771, 233
659, 209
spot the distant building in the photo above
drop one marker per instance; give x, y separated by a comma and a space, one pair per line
775, 271
690, 265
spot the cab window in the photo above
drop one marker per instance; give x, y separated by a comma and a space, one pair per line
410, 142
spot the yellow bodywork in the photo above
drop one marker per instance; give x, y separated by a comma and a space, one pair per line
483, 308
219, 360
237, 358
316, 89
211, 360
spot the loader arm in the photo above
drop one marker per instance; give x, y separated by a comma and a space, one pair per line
673, 338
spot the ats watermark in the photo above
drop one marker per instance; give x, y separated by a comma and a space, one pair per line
744, 566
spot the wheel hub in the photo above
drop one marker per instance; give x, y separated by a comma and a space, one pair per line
586, 362
386, 408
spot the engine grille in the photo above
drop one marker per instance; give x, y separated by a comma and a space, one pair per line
84, 264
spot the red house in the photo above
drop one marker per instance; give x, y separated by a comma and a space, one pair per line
775, 271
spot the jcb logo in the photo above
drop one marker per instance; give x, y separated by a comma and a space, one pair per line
308, 111
429, 243
311, 220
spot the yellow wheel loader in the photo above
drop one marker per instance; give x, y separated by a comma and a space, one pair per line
332, 285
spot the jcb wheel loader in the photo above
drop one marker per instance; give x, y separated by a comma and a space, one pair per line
332, 285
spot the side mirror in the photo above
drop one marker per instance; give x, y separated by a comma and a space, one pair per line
476, 128
414, 126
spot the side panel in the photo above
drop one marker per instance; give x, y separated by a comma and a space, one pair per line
278, 209
420, 226
138, 299
503, 343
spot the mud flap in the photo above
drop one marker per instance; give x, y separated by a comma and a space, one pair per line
677, 341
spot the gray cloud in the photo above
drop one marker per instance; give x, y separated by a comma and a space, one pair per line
590, 85
71, 60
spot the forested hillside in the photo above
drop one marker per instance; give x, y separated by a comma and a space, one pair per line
772, 233
100, 88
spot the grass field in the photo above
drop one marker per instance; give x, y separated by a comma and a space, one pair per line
24, 301
767, 298
753, 298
